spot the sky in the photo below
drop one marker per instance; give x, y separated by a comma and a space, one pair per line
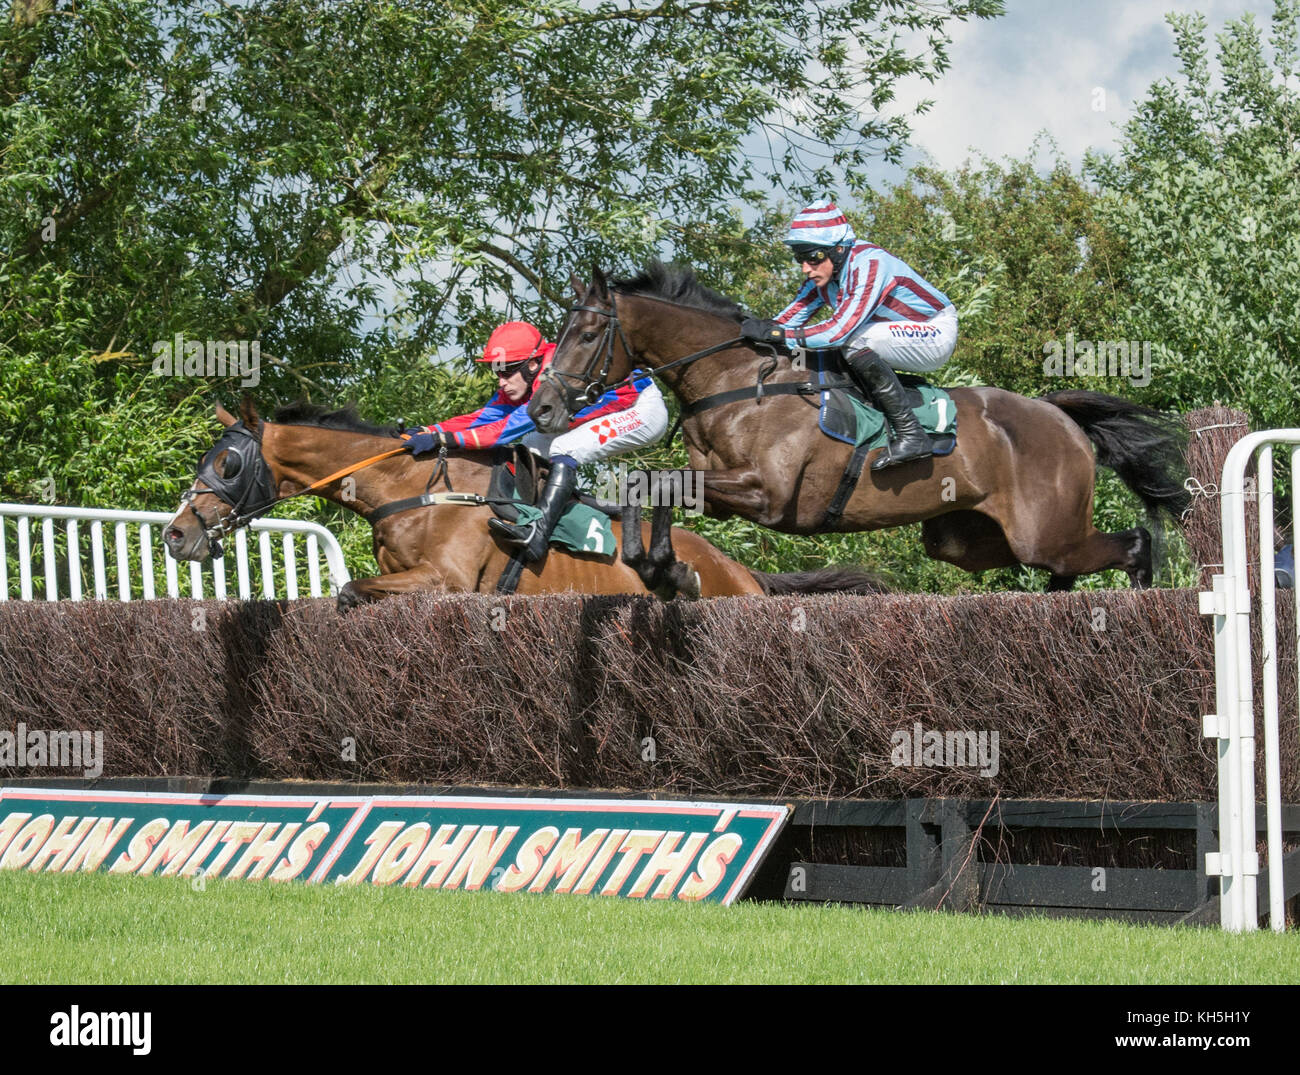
1040, 67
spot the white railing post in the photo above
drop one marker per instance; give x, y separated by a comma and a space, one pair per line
123, 562
74, 560
146, 561
1233, 725
25, 558
290, 567
267, 567
173, 577
51, 561
97, 559
313, 565
241, 564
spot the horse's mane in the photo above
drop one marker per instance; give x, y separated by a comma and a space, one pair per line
345, 419
677, 283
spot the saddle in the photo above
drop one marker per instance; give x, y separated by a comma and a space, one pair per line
844, 412
518, 478
515, 485
514, 480
848, 415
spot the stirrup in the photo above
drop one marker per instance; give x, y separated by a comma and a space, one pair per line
528, 538
903, 450
512, 533
533, 538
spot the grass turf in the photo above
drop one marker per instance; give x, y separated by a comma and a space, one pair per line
90, 929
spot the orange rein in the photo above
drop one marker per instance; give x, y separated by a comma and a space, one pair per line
351, 469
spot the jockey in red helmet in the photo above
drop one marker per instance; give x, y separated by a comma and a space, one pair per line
883, 314
630, 416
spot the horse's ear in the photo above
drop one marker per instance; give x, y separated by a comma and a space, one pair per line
248, 412
579, 288
225, 417
599, 284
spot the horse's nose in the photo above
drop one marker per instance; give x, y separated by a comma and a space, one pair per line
543, 416
173, 538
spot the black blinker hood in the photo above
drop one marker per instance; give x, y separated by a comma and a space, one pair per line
249, 491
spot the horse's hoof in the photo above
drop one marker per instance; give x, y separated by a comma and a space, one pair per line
1141, 575
685, 579
349, 598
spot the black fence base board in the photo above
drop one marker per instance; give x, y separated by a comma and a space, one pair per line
952, 854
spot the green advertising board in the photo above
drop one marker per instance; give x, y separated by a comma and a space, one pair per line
639, 849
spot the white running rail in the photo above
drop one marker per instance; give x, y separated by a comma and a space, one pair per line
42, 535
1233, 722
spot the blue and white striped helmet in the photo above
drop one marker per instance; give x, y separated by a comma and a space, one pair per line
820, 224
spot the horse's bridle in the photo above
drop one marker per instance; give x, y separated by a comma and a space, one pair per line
589, 388
249, 477
592, 388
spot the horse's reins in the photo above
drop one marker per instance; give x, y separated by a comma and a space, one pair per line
592, 388
595, 388
238, 487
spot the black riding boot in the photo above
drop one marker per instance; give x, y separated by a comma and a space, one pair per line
532, 537
910, 441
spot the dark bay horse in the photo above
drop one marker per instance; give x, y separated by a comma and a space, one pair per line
446, 547
1018, 488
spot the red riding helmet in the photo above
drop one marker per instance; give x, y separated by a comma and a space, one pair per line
515, 341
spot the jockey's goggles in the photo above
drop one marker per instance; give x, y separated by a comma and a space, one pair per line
812, 255
501, 369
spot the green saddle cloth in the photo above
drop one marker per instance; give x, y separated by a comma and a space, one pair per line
937, 415
580, 529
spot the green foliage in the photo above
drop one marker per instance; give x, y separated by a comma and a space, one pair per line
265, 171
1203, 192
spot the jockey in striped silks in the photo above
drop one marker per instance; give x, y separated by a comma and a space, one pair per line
883, 314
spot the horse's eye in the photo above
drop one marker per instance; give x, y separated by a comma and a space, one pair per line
587, 337
230, 465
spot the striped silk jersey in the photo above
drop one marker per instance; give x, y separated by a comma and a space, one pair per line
501, 422
872, 286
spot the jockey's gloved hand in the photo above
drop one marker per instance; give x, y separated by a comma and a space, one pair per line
423, 440
761, 330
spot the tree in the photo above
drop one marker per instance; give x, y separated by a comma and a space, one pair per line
1204, 192
263, 171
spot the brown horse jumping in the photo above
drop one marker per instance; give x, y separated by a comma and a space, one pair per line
1018, 488
445, 547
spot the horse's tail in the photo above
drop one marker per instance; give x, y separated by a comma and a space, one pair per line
1145, 447
827, 580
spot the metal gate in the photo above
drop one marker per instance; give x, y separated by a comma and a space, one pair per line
1233, 723
50, 553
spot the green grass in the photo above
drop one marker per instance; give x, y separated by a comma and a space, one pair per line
99, 929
